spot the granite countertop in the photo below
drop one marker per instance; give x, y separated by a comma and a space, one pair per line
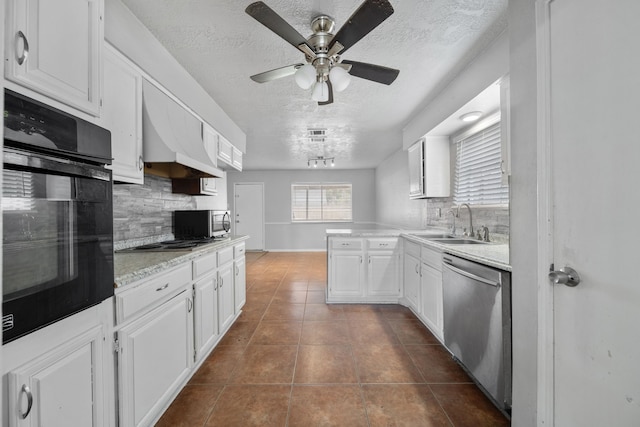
495, 254
133, 266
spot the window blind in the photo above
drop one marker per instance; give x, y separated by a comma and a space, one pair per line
478, 176
321, 202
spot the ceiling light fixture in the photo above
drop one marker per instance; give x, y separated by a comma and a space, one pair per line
471, 117
321, 159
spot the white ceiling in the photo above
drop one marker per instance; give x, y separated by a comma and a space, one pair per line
429, 41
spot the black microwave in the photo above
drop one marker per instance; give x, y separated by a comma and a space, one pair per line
201, 224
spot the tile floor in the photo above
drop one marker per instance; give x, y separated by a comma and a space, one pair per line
292, 360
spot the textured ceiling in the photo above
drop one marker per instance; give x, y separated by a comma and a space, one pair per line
429, 41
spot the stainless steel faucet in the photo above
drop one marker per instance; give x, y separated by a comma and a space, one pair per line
485, 233
470, 218
453, 216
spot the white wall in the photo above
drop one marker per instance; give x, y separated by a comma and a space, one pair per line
524, 234
393, 206
280, 233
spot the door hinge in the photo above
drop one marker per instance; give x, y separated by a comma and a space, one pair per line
116, 346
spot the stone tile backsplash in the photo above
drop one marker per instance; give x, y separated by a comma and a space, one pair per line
496, 219
144, 211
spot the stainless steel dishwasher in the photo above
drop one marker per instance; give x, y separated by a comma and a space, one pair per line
477, 324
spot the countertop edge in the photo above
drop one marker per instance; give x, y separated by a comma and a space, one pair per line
135, 267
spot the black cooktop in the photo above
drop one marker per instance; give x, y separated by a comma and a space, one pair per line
175, 245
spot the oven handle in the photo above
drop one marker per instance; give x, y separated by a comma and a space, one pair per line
31, 160
471, 275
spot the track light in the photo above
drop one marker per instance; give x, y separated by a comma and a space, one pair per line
322, 159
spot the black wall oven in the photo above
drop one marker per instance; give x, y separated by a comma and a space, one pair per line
57, 216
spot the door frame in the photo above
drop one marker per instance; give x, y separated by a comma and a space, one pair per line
545, 340
261, 184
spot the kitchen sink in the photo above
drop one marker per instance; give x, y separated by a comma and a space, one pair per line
457, 241
433, 236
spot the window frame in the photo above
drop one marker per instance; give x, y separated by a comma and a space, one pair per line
322, 186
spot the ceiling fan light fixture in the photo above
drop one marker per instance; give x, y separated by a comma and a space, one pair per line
320, 92
340, 78
333, 163
315, 165
305, 76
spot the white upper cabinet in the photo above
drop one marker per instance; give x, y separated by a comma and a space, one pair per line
225, 151
429, 168
54, 48
237, 159
122, 115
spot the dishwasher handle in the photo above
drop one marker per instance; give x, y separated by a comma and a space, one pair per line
471, 275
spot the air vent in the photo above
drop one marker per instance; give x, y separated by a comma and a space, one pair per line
316, 133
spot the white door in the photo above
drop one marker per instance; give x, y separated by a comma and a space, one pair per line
249, 213
594, 90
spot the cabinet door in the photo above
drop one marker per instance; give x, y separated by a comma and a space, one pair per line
205, 314
346, 275
237, 159
416, 169
209, 186
210, 139
54, 48
155, 358
412, 282
122, 115
225, 151
64, 387
240, 283
383, 277
226, 294
431, 287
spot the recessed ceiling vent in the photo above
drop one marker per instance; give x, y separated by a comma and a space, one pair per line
316, 133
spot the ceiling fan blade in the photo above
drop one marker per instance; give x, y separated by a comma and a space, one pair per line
375, 73
270, 19
330, 100
369, 15
278, 73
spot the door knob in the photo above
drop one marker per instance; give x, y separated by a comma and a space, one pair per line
565, 276
237, 221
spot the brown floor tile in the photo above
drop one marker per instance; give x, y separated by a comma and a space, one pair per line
372, 331
192, 406
316, 297
403, 405
314, 312
284, 311
329, 405
317, 285
412, 332
385, 364
251, 405
318, 364
217, 368
396, 311
277, 332
296, 297
293, 285
436, 365
253, 311
466, 405
325, 332
263, 364
239, 333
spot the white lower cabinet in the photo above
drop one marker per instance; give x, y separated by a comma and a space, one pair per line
63, 387
226, 295
412, 281
155, 358
240, 282
431, 289
363, 270
206, 313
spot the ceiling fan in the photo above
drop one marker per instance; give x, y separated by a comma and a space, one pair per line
325, 70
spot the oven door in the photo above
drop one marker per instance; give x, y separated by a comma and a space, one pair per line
57, 239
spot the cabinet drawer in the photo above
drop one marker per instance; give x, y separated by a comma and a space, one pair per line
432, 257
204, 264
151, 291
411, 248
346, 243
388, 244
238, 250
225, 255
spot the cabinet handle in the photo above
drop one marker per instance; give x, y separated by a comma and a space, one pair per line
189, 305
221, 281
140, 163
25, 48
369, 260
26, 390
237, 270
361, 260
417, 272
162, 288
215, 285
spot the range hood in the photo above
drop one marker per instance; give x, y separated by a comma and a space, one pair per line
172, 139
